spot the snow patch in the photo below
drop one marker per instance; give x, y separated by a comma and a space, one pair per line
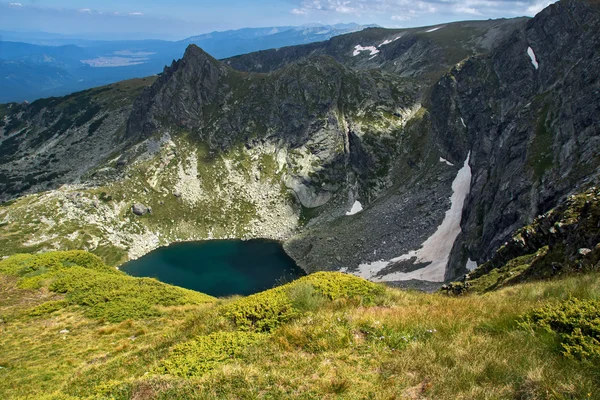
358, 48
531, 55
434, 29
463, 122
388, 41
356, 208
471, 265
435, 250
442, 159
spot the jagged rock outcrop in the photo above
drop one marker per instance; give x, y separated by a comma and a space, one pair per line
572, 229
314, 110
181, 94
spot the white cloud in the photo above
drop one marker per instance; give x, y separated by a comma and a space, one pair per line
345, 10
136, 14
467, 10
85, 10
374, 8
15, 5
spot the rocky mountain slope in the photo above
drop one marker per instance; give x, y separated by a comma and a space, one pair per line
563, 241
533, 126
418, 52
529, 130
397, 155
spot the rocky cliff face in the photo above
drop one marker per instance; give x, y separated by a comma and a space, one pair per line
391, 154
531, 113
314, 110
562, 241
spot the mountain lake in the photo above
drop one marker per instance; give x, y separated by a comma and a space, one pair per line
218, 267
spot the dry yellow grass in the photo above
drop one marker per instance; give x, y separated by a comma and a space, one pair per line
407, 345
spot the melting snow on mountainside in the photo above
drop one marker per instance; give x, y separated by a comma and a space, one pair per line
435, 250
358, 48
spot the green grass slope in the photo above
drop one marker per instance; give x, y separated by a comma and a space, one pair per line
71, 327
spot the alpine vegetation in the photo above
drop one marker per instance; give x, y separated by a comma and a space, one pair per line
435, 190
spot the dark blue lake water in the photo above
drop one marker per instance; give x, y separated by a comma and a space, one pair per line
218, 267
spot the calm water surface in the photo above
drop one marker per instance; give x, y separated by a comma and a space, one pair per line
218, 267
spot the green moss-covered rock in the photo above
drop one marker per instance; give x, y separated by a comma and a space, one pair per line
47, 308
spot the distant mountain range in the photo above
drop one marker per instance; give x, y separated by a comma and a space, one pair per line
42, 65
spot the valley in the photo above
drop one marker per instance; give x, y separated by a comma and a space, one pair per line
389, 213
281, 145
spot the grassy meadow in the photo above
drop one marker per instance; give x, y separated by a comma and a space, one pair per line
325, 336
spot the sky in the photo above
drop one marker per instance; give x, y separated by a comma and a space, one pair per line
177, 19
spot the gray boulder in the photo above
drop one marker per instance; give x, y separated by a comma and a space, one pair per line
140, 209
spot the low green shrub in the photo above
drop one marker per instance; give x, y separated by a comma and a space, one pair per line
47, 308
103, 291
576, 322
54, 396
117, 297
29, 265
16, 265
267, 310
262, 311
113, 390
202, 354
336, 285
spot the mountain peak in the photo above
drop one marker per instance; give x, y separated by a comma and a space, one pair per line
195, 52
182, 90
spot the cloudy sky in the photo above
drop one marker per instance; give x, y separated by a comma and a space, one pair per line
180, 18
